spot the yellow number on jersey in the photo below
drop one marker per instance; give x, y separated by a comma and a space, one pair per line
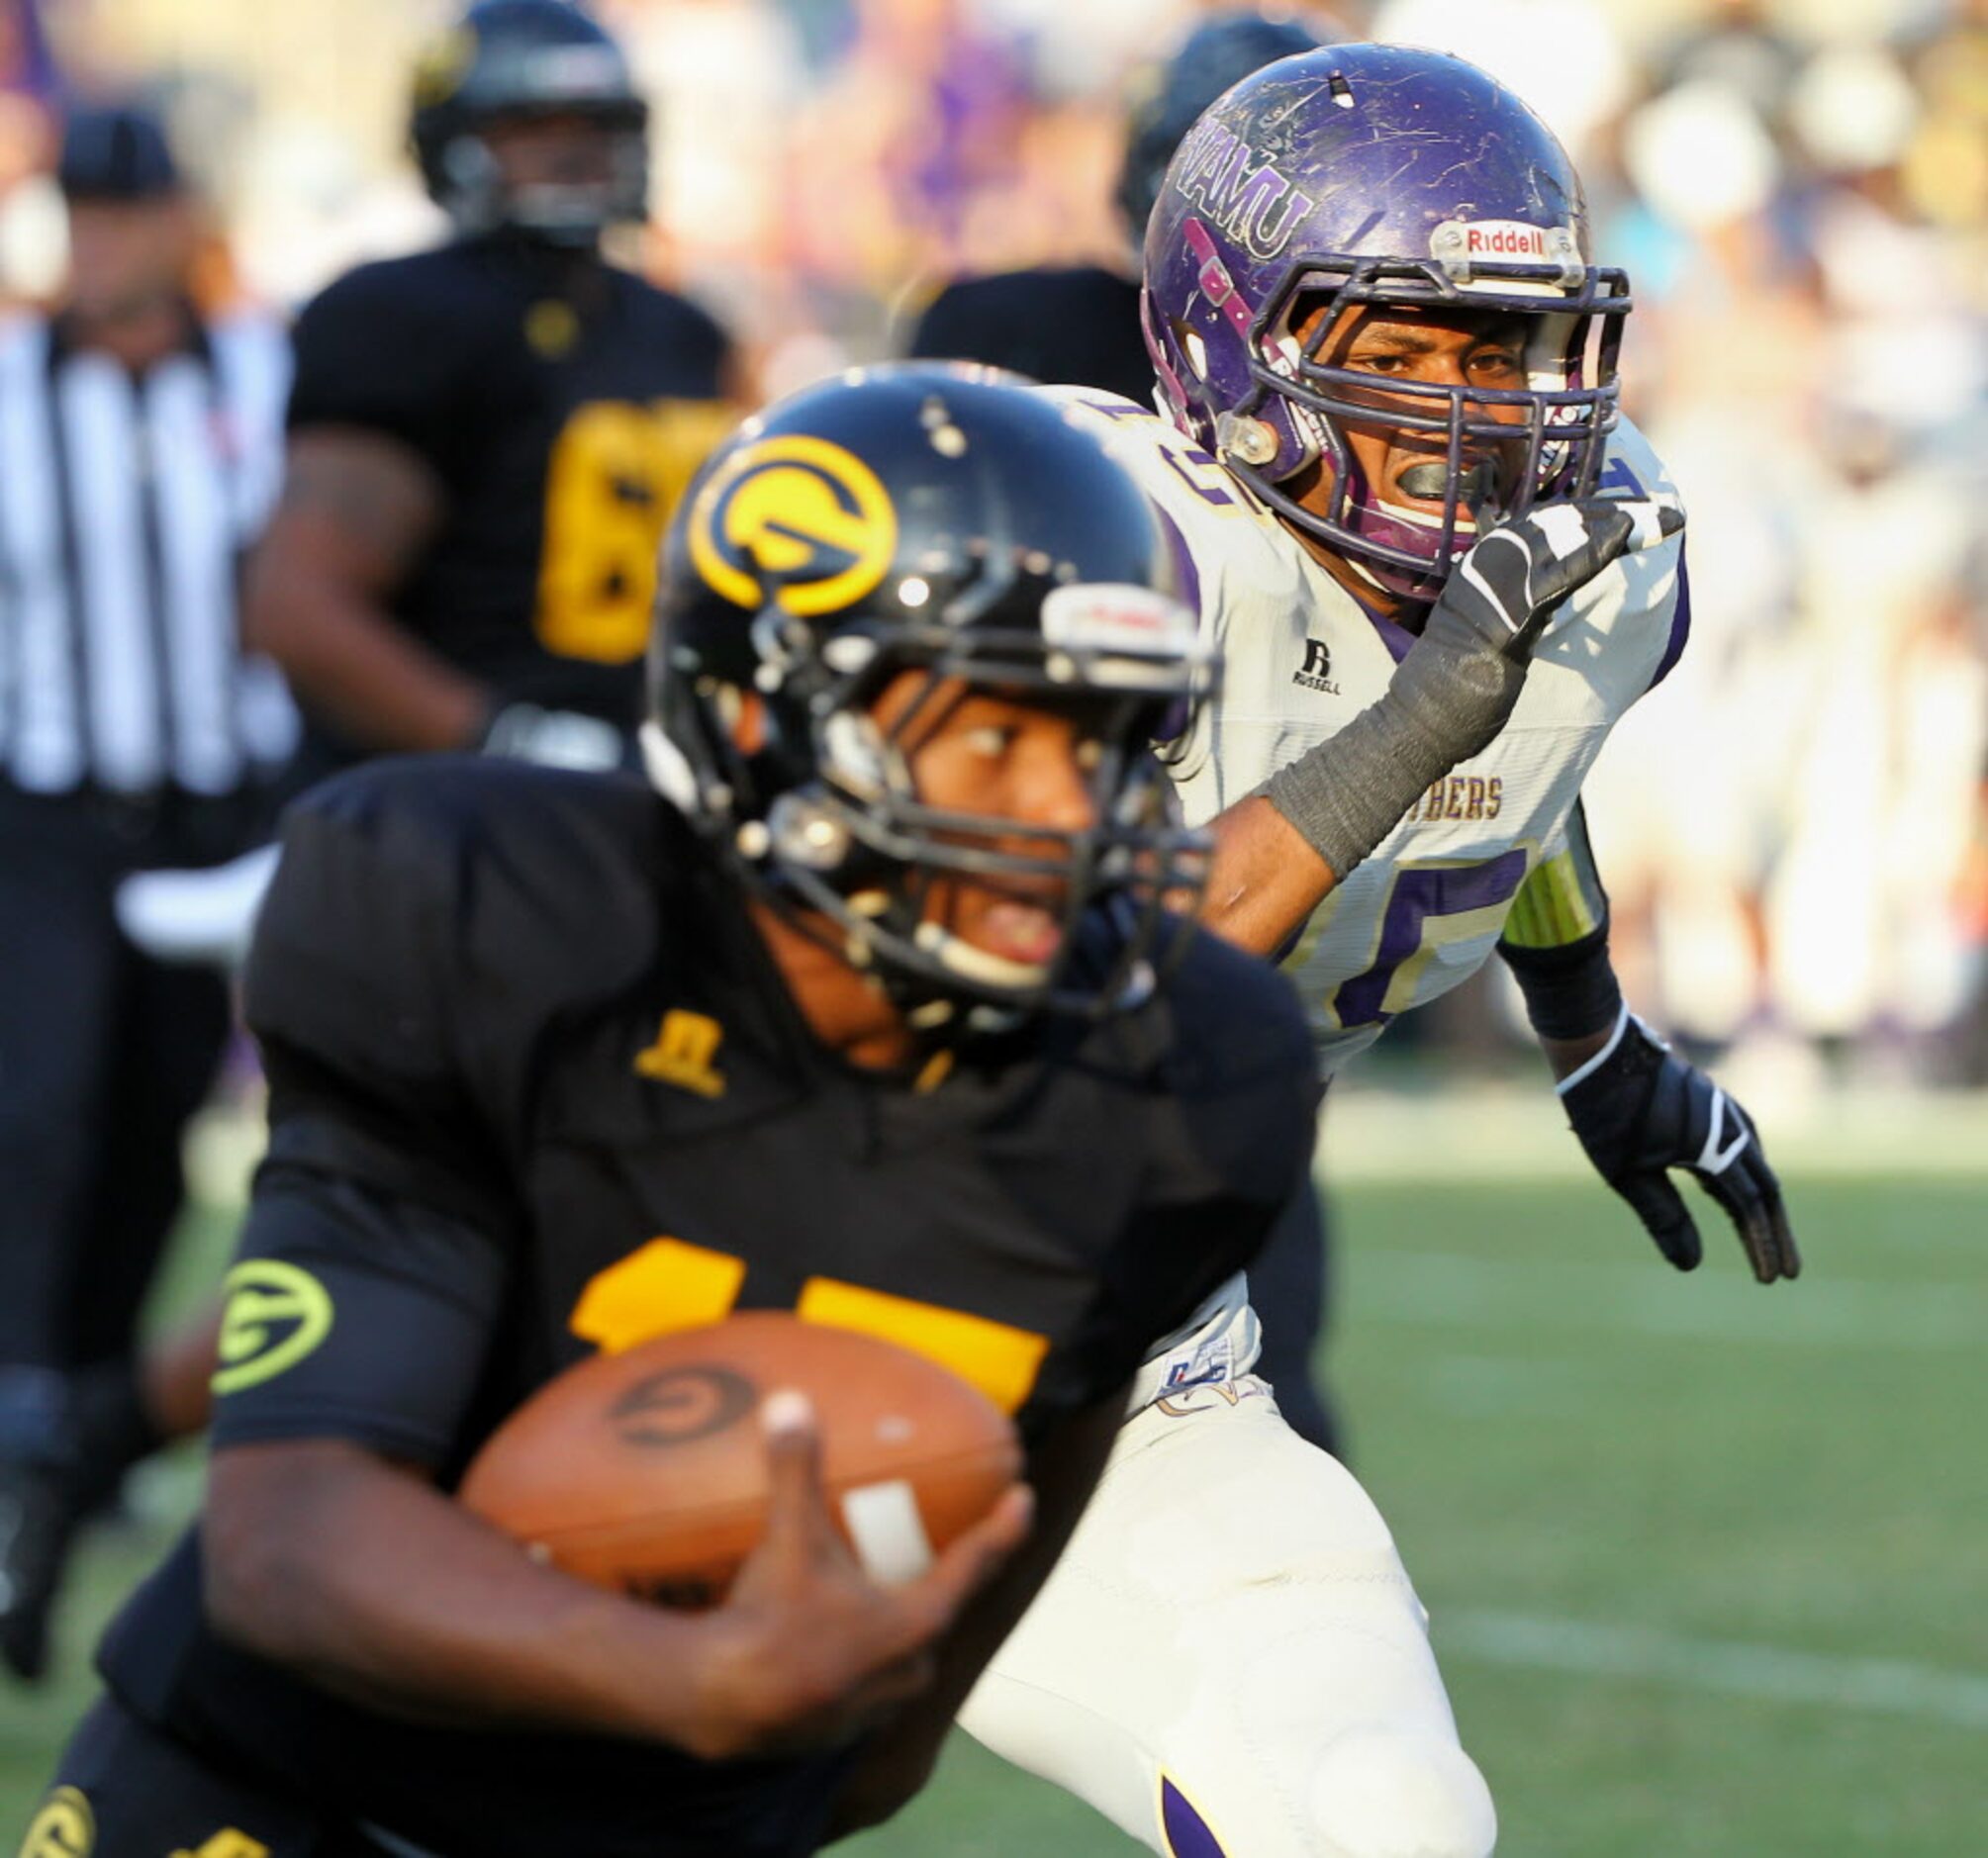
668, 1286
615, 473
228, 1844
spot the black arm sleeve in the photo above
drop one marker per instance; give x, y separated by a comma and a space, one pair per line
1556, 942
353, 1316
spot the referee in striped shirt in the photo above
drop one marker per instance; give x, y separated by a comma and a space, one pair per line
140, 448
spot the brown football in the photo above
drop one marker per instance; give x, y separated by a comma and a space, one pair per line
646, 1470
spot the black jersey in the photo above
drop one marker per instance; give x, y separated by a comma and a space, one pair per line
1072, 327
537, 1088
563, 404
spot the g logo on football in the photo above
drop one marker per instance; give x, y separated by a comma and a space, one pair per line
681, 1404
800, 514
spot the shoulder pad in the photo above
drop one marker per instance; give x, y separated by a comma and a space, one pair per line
414, 894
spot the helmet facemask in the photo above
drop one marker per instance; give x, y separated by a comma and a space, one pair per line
824, 818
1493, 466
569, 214
1500, 450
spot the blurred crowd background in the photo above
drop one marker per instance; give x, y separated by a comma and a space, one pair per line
1795, 827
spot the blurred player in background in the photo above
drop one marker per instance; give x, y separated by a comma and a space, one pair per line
140, 442
876, 984
1080, 323
1079, 326
486, 439
1389, 362
485, 442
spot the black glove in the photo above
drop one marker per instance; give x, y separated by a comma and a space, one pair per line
1640, 1109
1505, 590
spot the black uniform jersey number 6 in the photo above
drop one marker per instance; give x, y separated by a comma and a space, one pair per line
616, 470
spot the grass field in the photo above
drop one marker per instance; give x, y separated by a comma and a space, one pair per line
1708, 1564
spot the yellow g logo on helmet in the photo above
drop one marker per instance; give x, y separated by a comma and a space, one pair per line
65, 1827
796, 512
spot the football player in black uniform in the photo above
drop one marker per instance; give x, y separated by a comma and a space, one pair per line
871, 1006
486, 438
1079, 326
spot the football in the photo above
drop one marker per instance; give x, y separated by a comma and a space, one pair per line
646, 1470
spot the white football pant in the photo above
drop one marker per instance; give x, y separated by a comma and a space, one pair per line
1229, 1660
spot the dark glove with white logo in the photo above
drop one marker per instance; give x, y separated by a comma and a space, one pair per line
1458, 685
1639, 1110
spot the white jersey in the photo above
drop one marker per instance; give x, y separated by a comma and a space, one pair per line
1302, 657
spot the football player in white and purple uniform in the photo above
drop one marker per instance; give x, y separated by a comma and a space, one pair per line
1389, 366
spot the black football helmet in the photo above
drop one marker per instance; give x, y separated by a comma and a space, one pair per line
506, 60
940, 519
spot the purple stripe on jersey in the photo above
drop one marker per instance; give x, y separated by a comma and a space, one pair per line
1420, 893
1680, 623
1397, 637
1187, 1834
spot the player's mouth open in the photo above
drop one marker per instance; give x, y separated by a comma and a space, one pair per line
1019, 931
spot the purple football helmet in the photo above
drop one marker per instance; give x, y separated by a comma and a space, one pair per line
1363, 175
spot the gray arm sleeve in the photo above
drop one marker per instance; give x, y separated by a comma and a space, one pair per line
1444, 704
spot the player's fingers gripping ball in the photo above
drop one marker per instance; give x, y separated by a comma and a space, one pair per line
649, 1471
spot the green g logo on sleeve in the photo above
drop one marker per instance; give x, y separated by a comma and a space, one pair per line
276, 1313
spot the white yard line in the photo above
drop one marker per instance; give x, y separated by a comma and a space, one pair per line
1472, 1289
1887, 1686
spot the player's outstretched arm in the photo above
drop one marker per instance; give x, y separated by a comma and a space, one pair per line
1281, 850
323, 1557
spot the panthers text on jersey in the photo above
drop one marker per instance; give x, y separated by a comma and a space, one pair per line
536, 1088
1302, 657
563, 406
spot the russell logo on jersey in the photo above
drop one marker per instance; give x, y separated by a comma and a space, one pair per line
1317, 672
